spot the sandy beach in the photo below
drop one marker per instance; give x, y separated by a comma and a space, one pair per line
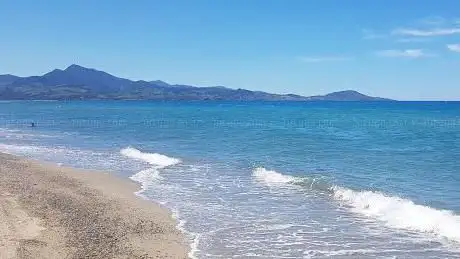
47, 211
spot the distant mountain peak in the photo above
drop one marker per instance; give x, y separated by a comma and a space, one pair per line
53, 72
78, 82
159, 83
76, 67
347, 95
348, 91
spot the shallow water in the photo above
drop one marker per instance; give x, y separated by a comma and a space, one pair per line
270, 180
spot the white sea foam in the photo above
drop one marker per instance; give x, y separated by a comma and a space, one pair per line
146, 177
354, 252
401, 213
158, 160
272, 178
394, 211
25, 149
22, 134
195, 237
150, 176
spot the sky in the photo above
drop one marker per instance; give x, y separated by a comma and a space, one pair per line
406, 50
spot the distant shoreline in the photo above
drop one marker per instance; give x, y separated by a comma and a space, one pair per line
77, 82
213, 100
57, 212
228, 101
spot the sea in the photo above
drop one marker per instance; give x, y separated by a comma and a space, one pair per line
269, 179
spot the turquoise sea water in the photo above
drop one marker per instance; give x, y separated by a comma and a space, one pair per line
270, 180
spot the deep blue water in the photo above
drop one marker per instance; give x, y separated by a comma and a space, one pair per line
270, 180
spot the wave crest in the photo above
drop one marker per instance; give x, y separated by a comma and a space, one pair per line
158, 160
270, 177
273, 178
394, 211
401, 213
148, 176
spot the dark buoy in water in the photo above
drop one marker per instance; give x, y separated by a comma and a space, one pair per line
32, 124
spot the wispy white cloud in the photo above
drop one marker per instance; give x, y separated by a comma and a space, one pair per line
422, 30
317, 59
408, 40
433, 20
372, 35
427, 32
405, 53
454, 47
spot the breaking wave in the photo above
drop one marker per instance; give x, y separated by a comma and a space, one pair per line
273, 178
393, 211
155, 159
151, 175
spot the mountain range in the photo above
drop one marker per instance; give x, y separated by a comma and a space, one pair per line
77, 83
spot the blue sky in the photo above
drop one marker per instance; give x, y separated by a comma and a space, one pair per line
399, 49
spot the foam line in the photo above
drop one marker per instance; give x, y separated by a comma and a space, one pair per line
158, 160
395, 212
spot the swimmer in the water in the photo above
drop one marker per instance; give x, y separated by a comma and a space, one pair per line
32, 124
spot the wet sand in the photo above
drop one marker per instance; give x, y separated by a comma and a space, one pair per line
47, 211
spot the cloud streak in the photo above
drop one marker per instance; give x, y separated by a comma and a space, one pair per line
318, 59
433, 20
454, 47
371, 35
408, 40
426, 33
405, 53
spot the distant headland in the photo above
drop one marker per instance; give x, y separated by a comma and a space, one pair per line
81, 83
